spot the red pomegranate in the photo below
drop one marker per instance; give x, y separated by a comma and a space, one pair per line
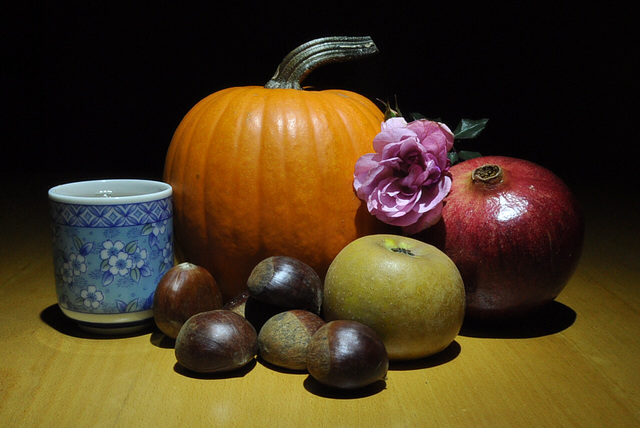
514, 230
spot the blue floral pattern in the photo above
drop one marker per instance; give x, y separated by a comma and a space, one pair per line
109, 258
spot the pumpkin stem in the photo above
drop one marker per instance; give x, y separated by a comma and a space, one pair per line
301, 61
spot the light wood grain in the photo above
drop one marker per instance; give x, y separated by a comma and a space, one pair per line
575, 365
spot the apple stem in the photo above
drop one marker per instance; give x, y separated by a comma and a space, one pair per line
487, 174
403, 251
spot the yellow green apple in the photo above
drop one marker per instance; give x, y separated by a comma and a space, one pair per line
409, 292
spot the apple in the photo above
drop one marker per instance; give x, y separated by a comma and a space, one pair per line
514, 230
409, 292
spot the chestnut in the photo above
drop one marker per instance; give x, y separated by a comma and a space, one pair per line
216, 341
286, 282
185, 290
347, 355
255, 311
258, 312
237, 303
284, 338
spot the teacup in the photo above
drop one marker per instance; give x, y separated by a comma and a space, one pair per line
112, 243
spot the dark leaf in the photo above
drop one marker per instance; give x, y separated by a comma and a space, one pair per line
122, 306
86, 248
469, 128
416, 116
107, 278
145, 270
453, 157
466, 155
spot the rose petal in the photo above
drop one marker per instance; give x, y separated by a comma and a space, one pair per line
405, 181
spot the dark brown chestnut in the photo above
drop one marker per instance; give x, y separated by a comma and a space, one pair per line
286, 282
255, 311
258, 312
347, 355
284, 338
185, 290
216, 341
237, 303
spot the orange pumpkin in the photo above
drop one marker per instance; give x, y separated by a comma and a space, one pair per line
261, 171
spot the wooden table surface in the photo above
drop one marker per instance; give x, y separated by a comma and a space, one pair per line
576, 364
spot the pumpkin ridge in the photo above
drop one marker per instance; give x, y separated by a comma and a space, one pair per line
297, 170
321, 157
247, 146
332, 153
260, 202
219, 100
185, 133
207, 212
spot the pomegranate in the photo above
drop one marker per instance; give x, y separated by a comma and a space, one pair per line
515, 232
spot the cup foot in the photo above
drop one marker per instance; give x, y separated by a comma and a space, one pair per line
112, 324
115, 329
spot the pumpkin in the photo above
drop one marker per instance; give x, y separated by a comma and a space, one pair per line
265, 171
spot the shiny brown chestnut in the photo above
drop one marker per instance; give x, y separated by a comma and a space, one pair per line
347, 355
185, 290
216, 341
284, 338
286, 282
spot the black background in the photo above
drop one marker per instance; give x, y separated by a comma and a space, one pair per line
96, 89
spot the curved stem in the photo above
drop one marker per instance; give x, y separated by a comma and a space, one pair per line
297, 65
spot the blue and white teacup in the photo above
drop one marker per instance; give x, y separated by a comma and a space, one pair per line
112, 243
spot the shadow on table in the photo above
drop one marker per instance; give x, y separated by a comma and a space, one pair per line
240, 372
442, 357
552, 319
316, 388
446, 355
54, 318
161, 340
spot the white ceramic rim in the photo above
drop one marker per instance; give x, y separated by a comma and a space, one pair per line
78, 192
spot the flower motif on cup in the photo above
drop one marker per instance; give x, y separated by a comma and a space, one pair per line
120, 264
138, 258
74, 263
167, 257
154, 230
120, 259
91, 297
110, 249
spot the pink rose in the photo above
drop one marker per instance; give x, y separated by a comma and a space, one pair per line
406, 179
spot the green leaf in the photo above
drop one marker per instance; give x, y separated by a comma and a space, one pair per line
135, 274
131, 247
469, 128
466, 155
132, 306
147, 229
77, 242
453, 157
